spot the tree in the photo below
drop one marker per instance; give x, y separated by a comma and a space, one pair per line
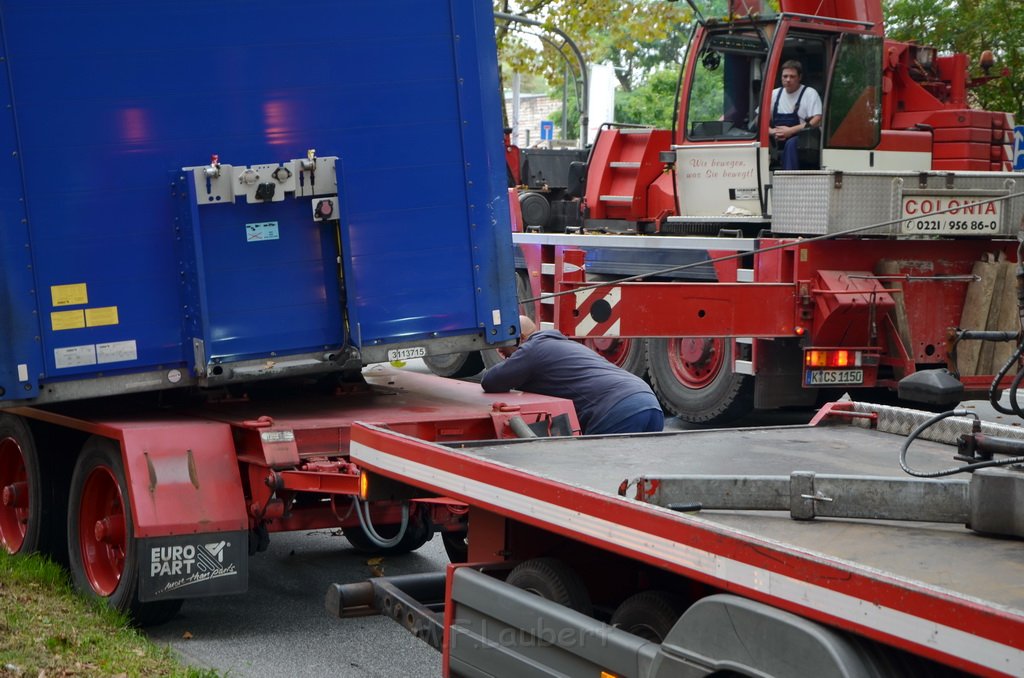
969, 27
652, 103
639, 37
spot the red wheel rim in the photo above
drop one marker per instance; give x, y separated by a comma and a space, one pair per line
696, 361
101, 531
614, 351
14, 499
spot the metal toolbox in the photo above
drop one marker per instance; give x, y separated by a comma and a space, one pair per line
832, 202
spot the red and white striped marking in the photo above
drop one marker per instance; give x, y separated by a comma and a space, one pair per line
587, 326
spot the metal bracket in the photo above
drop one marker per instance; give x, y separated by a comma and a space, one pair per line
992, 501
224, 184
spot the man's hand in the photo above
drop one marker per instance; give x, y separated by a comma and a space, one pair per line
782, 133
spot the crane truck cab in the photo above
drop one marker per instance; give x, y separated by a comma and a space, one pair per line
724, 155
888, 107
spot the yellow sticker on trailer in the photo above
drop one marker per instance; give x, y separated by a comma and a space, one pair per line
69, 295
67, 320
104, 315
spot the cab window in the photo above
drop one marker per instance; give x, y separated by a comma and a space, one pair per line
855, 98
726, 86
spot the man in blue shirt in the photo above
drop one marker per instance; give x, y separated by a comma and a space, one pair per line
608, 399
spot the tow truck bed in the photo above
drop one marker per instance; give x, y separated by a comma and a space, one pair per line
941, 555
935, 589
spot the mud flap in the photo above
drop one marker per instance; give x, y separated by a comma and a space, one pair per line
193, 566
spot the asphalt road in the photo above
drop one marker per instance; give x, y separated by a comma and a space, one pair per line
281, 628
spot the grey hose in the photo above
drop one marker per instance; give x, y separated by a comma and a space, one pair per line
371, 533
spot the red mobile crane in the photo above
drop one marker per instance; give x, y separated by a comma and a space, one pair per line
799, 295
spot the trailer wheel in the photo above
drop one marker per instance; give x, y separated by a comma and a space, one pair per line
32, 502
629, 354
102, 547
552, 580
693, 378
524, 292
455, 365
417, 533
649, 614
490, 356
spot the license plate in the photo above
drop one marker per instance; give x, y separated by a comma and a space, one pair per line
830, 377
965, 216
407, 353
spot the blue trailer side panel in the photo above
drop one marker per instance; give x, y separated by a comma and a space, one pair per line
20, 350
119, 275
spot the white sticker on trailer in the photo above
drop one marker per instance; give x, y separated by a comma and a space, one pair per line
407, 353
74, 356
117, 352
22, 372
262, 231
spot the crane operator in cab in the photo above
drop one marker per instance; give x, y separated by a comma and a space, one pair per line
795, 107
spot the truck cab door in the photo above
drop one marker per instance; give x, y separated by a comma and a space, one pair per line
721, 165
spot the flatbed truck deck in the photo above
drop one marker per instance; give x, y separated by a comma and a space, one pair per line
934, 590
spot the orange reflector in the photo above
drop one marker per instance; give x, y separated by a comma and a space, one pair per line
364, 486
799, 330
836, 357
605, 674
814, 359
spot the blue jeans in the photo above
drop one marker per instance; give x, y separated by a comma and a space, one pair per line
638, 413
644, 421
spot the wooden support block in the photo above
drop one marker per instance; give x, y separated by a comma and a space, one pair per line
988, 348
975, 315
1007, 316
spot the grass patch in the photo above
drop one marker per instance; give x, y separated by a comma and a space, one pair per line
47, 629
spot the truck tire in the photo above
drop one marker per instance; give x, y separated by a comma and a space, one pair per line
33, 503
101, 535
465, 365
455, 365
629, 354
490, 356
417, 533
552, 580
694, 380
649, 614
